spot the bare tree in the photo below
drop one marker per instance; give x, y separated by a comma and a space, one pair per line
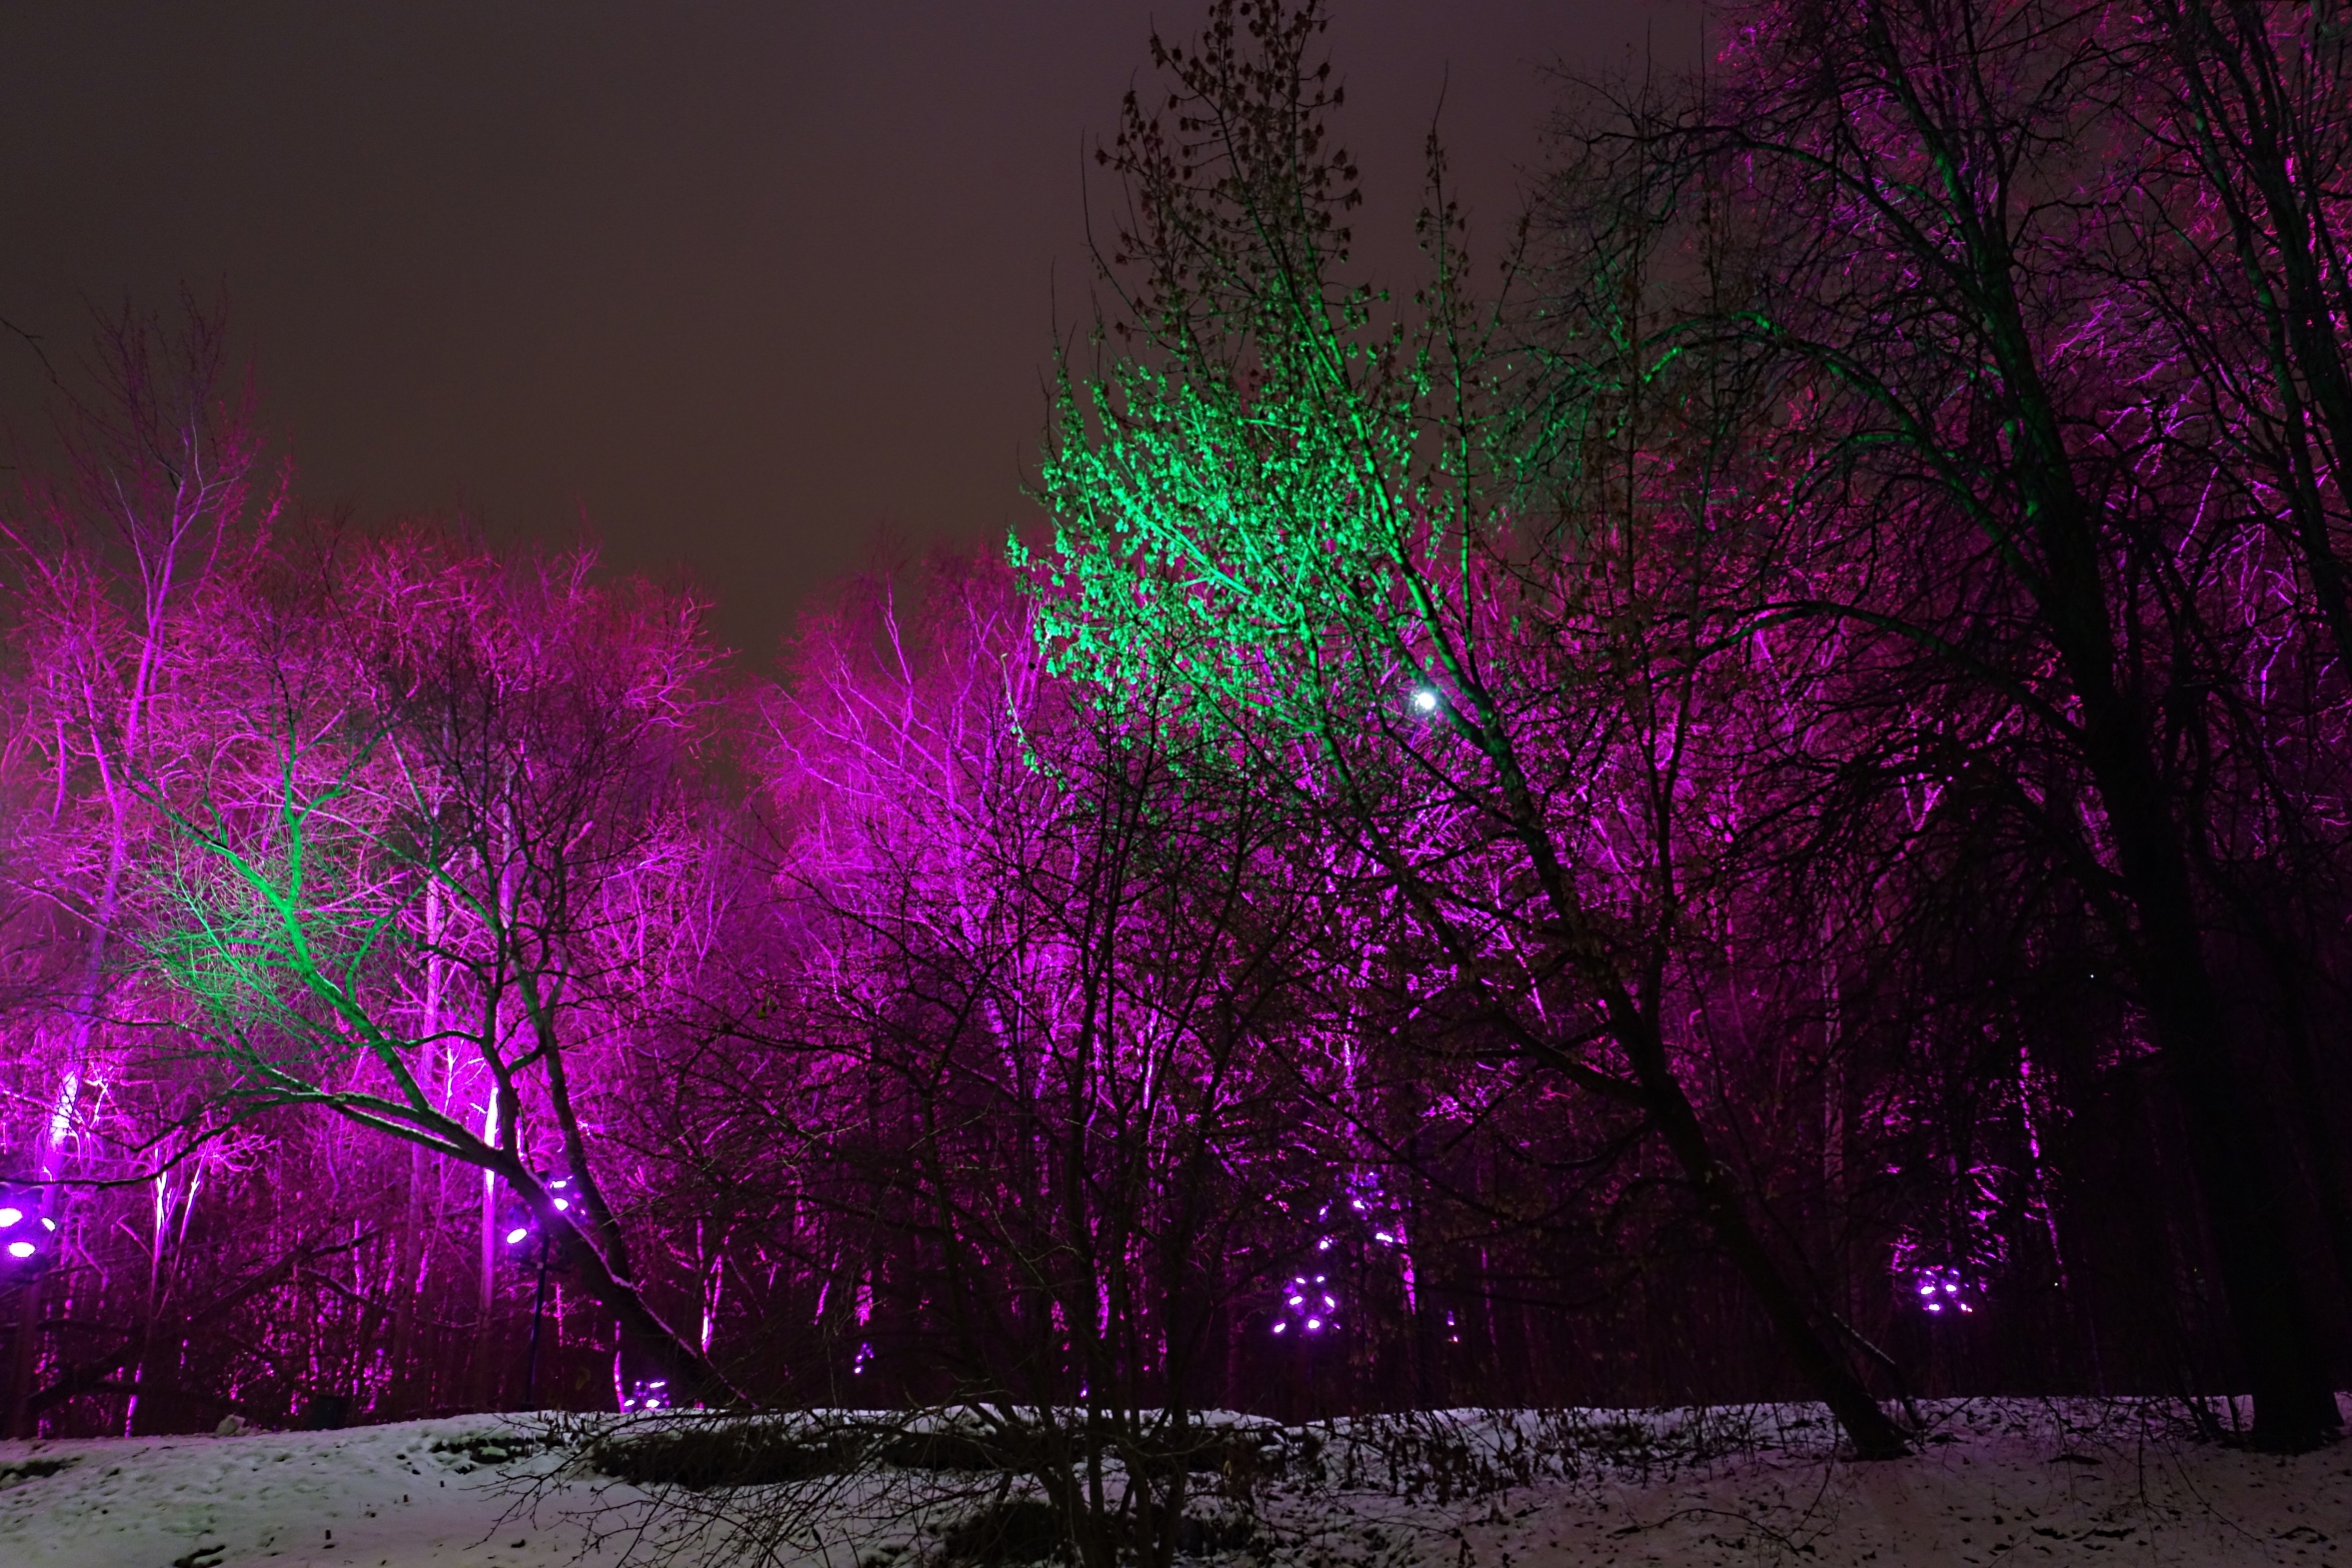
463, 770
1049, 960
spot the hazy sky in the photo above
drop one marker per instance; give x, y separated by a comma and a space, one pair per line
748, 285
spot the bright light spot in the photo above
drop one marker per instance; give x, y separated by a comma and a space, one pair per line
1328, 1303
1383, 1237
1939, 1286
1324, 1245
47, 1223
1356, 1204
1278, 1327
61, 1120
20, 1249
1425, 700
516, 1235
9, 1216
1313, 1323
1298, 1301
562, 1205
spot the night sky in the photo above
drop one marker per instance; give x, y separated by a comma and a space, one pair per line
759, 290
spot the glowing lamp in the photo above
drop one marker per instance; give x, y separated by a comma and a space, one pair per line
1301, 1297
27, 1249
1940, 1286
524, 1221
1425, 700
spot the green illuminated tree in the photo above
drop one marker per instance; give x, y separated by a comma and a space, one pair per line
1309, 509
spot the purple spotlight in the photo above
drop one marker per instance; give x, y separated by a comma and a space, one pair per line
21, 1249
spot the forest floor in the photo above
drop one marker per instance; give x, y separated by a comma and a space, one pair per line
1999, 1482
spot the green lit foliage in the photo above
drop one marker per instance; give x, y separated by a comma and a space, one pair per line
280, 919
1265, 497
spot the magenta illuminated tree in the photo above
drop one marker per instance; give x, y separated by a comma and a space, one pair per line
464, 783
127, 573
1042, 964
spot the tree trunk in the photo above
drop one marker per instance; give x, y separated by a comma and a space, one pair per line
1870, 1429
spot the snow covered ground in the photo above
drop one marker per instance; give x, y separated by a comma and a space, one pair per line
2001, 1482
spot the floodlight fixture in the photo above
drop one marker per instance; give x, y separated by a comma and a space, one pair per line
29, 1234
524, 1222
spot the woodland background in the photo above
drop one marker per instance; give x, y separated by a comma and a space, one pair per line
1743, 794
